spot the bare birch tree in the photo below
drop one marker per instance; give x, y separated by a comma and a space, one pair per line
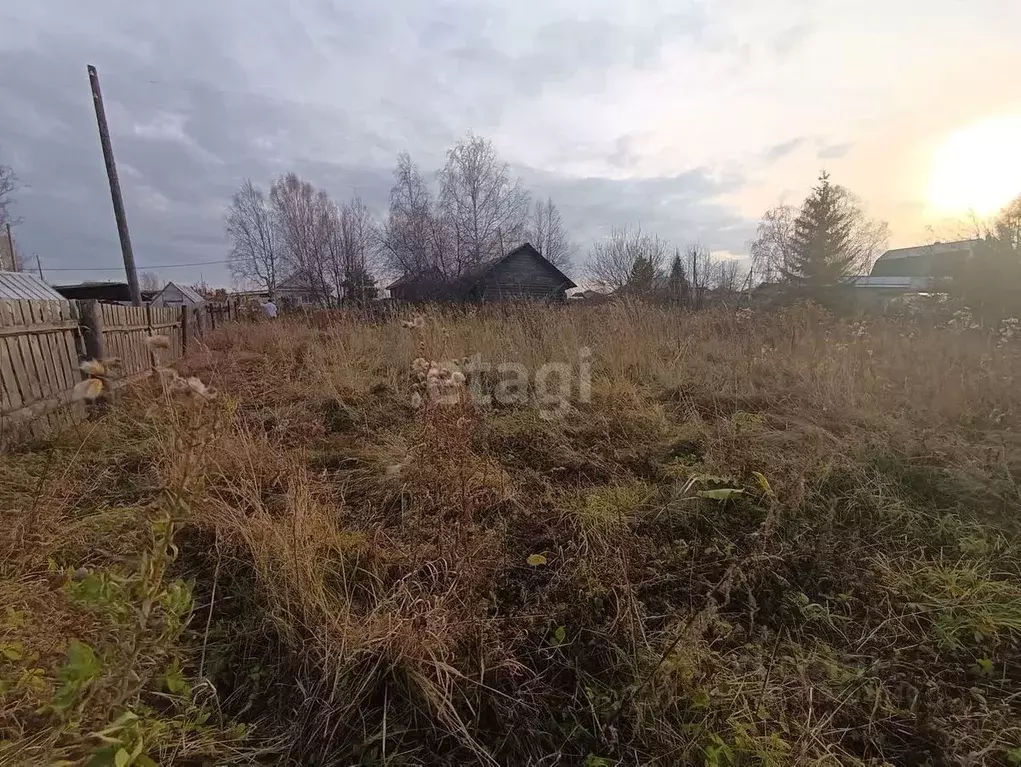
548, 235
728, 275
301, 215
408, 238
613, 260
773, 247
357, 242
483, 206
150, 282
702, 273
254, 256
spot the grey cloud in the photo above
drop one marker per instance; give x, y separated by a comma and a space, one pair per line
791, 38
195, 106
833, 151
783, 149
680, 208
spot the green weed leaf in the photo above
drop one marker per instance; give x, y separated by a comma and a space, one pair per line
11, 650
536, 560
173, 678
721, 494
763, 483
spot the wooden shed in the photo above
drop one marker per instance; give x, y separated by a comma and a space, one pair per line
177, 295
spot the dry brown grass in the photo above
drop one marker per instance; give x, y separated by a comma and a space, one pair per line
366, 579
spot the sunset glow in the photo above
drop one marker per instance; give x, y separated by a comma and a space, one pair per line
978, 168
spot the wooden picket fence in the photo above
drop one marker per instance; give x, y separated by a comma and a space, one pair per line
42, 344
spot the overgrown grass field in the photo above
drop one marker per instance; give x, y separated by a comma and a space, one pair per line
766, 538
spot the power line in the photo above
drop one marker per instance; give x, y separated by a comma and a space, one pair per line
154, 267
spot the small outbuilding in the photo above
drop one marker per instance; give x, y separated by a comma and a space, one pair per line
177, 295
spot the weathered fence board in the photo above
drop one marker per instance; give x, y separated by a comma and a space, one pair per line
43, 342
38, 363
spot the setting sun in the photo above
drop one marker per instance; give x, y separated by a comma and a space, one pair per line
978, 168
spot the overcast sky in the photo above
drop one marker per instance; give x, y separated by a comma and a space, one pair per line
688, 117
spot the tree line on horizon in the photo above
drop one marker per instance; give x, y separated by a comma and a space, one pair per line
477, 211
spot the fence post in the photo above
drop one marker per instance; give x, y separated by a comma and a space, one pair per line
91, 323
149, 331
185, 329
92, 329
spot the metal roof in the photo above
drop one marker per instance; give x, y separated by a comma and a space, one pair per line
900, 283
21, 285
191, 294
935, 249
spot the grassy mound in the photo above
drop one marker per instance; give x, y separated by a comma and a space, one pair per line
740, 539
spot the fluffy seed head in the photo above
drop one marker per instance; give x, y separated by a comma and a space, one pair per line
88, 389
199, 389
157, 342
92, 368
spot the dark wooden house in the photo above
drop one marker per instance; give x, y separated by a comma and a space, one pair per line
422, 288
521, 275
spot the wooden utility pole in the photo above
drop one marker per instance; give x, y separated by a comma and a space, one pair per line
10, 249
39, 265
115, 189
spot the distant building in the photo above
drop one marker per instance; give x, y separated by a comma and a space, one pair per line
591, 296
522, 274
927, 262
300, 290
24, 285
902, 284
177, 295
107, 292
420, 288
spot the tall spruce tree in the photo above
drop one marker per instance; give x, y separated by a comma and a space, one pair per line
822, 251
643, 275
677, 283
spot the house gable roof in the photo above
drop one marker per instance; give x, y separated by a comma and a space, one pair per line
431, 275
470, 278
924, 260
297, 281
935, 249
